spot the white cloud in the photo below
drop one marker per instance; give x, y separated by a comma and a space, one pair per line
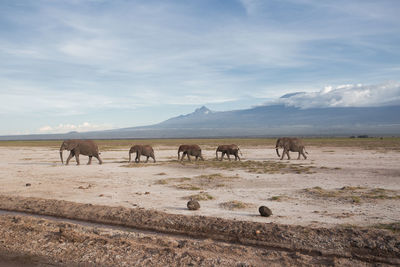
84, 127
349, 95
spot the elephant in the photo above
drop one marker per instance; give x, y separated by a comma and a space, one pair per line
228, 150
190, 150
84, 147
290, 144
142, 150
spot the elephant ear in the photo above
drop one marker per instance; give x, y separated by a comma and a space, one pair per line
72, 145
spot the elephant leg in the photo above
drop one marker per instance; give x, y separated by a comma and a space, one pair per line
228, 156
187, 154
154, 158
147, 159
99, 159
298, 157
222, 156
201, 157
71, 154
304, 155
90, 160
77, 159
287, 153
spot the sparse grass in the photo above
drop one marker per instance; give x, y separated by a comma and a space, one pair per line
172, 180
355, 194
200, 181
394, 227
235, 205
260, 167
139, 165
387, 143
200, 196
278, 198
187, 187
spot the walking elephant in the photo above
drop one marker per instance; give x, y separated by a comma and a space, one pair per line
290, 144
142, 150
228, 150
77, 147
190, 150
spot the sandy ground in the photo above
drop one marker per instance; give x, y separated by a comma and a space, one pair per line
37, 172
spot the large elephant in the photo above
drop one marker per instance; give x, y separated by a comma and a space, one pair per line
228, 150
190, 150
290, 144
77, 147
142, 150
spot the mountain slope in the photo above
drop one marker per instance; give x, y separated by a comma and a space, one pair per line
272, 120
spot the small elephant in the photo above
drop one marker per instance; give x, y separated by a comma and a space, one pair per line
77, 147
228, 150
190, 150
290, 144
142, 150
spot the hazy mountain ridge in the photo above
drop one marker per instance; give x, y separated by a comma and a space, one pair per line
267, 120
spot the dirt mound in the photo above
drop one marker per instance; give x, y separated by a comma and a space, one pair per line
370, 245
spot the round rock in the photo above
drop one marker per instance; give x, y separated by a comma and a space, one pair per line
265, 211
193, 205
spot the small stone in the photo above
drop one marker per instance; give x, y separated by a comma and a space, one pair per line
147, 193
193, 205
28, 184
265, 211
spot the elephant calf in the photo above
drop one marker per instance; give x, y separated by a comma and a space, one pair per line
190, 150
142, 150
228, 150
290, 144
77, 147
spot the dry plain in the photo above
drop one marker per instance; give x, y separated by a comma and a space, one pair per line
357, 184
351, 182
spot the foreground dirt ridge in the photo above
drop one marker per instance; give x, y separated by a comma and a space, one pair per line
367, 245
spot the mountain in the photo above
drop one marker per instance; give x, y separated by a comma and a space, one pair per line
260, 121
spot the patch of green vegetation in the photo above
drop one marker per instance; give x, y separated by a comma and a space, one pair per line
200, 196
235, 205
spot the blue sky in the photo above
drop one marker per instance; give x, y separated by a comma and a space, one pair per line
99, 64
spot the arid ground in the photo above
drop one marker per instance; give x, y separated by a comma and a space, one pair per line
343, 183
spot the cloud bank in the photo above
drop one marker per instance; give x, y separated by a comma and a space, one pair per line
349, 95
63, 128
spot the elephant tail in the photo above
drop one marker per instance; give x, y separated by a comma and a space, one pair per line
277, 152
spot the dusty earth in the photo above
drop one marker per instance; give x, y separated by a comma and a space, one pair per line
288, 190
334, 187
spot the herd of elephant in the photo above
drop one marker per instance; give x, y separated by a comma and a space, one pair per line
90, 149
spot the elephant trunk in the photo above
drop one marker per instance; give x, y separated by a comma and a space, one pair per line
130, 156
240, 151
277, 152
216, 154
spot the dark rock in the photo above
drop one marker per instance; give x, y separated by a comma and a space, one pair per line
265, 211
193, 205
28, 184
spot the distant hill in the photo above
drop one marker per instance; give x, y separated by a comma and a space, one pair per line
260, 121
